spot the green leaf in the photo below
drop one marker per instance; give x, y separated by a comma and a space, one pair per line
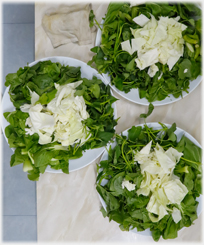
103, 211
185, 64
170, 231
47, 97
34, 176
116, 184
91, 18
171, 134
198, 25
131, 65
138, 201
192, 152
134, 132
156, 234
111, 202
42, 158
117, 154
150, 110
95, 89
17, 158
105, 136
41, 83
189, 179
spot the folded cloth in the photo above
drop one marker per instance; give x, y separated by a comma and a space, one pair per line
68, 23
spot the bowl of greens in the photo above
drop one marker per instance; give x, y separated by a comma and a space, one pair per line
150, 52
149, 180
58, 116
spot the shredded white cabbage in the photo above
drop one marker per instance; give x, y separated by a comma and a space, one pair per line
62, 117
141, 20
176, 215
166, 188
152, 70
128, 185
157, 41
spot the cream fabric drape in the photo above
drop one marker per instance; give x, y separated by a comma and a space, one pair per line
68, 205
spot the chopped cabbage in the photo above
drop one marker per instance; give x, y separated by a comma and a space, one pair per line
147, 58
175, 191
126, 47
165, 162
128, 185
166, 188
176, 215
34, 98
141, 20
152, 70
61, 118
157, 41
146, 149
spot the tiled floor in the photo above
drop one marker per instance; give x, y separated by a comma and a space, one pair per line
19, 193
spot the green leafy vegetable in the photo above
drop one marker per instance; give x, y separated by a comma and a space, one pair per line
127, 207
150, 110
92, 19
41, 79
121, 66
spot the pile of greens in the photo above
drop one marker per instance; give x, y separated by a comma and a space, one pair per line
120, 65
126, 207
41, 79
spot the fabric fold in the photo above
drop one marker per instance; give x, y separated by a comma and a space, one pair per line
68, 23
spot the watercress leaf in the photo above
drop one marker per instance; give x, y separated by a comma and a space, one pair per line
189, 179
116, 184
170, 231
150, 110
156, 234
134, 132
91, 18
185, 64
110, 200
95, 89
103, 211
193, 152
34, 176
105, 136
117, 154
138, 202
170, 132
47, 97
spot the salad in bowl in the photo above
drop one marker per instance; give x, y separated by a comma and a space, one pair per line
149, 180
58, 116
150, 52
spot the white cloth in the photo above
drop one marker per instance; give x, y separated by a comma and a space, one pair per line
68, 23
68, 205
